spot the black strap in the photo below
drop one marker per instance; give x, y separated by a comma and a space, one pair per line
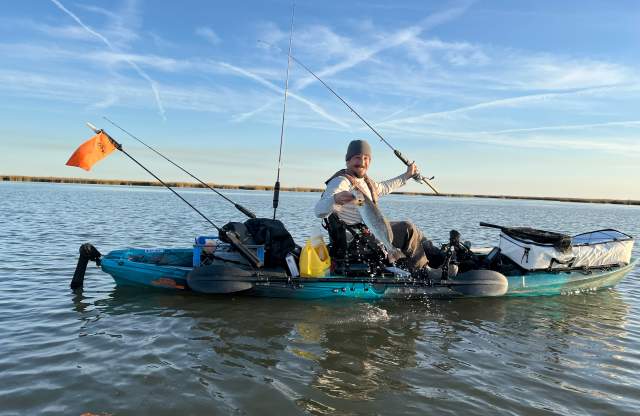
569, 262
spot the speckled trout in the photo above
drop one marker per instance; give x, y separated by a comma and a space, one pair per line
377, 224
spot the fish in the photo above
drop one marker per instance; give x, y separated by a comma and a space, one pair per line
378, 225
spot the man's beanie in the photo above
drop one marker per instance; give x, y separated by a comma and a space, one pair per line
358, 147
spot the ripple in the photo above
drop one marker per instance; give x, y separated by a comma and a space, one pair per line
109, 350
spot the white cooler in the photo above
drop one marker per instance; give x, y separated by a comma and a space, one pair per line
593, 249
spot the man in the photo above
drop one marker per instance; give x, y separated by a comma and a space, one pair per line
339, 198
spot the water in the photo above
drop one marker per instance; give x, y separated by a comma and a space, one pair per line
111, 350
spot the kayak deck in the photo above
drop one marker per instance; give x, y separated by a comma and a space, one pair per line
170, 269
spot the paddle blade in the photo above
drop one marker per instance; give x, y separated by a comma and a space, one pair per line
220, 279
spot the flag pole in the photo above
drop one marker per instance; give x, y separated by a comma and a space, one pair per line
233, 237
239, 207
119, 147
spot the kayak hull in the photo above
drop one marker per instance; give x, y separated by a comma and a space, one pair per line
563, 283
167, 273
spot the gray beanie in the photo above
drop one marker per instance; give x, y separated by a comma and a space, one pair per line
358, 147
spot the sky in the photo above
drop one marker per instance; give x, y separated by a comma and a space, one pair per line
490, 97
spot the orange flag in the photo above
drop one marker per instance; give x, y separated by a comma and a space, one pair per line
91, 152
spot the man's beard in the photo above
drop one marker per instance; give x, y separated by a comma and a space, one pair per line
357, 174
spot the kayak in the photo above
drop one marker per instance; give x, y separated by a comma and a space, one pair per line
525, 262
172, 269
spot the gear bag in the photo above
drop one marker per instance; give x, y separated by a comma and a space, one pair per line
275, 237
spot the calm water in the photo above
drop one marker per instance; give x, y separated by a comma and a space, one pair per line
112, 350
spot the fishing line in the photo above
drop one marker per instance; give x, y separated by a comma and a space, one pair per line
119, 147
239, 207
418, 177
231, 236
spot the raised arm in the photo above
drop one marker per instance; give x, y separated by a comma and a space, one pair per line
390, 185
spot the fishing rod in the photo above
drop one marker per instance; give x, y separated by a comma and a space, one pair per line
231, 236
276, 187
418, 177
239, 207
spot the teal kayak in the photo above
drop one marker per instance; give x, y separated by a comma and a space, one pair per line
172, 269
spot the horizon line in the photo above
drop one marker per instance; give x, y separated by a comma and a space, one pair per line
128, 182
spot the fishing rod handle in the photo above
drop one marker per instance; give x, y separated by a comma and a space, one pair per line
245, 211
401, 157
276, 194
417, 177
233, 238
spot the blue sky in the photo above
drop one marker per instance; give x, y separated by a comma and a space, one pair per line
497, 97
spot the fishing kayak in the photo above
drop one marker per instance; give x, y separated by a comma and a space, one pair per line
172, 269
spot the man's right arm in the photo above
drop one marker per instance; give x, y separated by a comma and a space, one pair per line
327, 203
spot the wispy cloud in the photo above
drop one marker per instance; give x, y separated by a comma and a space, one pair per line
160, 41
140, 72
246, 115
314, 107
43, 82
101, 11
108, 100
631, 123
153, 61
428, 52
611, 143
320, 40
617, 146
499, 103
492, 88
358, 55
64, 32
121, 24
82, 89
545, 71
208, 34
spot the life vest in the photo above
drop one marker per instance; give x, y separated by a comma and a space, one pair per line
354, 182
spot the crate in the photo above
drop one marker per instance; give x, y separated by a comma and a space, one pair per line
221, 250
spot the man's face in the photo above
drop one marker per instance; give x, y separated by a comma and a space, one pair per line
359, 164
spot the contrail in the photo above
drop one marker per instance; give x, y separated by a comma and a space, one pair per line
140, 72
248, 114
399, 38
631, 123
502, 102
552, 142
314, 107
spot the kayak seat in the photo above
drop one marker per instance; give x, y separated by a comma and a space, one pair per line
353, 249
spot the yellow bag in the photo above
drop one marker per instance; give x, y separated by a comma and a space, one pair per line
311, 264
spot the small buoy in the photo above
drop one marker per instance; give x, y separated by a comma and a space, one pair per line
87, 252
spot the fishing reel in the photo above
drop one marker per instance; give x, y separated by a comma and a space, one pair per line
456, 253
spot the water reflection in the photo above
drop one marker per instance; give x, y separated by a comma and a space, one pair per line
356, 350
108, 351
334, 353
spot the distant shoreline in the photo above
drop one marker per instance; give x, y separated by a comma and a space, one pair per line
125, 182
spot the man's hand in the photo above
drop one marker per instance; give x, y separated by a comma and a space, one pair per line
412, 170
343, 197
